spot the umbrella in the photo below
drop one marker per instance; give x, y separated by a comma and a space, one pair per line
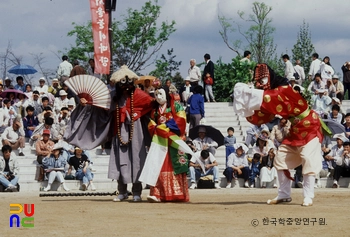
142, 79
335, 127
22, 69
211, 132
5, 93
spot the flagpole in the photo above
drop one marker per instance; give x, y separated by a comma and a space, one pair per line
110, 6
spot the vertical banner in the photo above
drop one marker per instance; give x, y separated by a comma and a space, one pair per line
99, 20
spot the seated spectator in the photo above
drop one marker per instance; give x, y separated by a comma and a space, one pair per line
4, 120
254, 170
268, 172
253, 133
279, 132
37, 134
71, 106
342, 168
331, 91
8, 83
10, 110
44, 146
321, 102
347, 125
80, 162
54, 166
335, 152
237, 165
55, 87
60, 102
28, 92
14, 136
21, 104
30, 122
339, 87
186, 91
62, 120
203, 163
335, 115
47, 112
20, 85
229, 141
42, 88
8, 169
35, 102
336, 101
316, 84
263, 144
323, 173
202, 142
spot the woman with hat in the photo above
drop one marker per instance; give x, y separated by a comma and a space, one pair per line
80, 162
54, 166
263, 143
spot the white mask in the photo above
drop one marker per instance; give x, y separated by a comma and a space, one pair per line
264, 81
161, 96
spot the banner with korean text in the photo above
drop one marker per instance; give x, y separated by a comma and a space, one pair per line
99, 20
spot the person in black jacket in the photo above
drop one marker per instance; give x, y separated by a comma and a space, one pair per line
209, 68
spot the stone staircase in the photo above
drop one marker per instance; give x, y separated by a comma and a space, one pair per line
219, 115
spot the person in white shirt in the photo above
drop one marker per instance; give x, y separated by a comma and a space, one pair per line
4, 120
300, 70
326, 70
237, 165
42, 88
203, 163
342, 167
334, 154
202, 142
315, 66
194, 73
186, 90
316, 84
253, 133
289, 69
14, 136
64, 69
60, 102
321, 102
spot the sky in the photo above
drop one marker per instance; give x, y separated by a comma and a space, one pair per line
41, 27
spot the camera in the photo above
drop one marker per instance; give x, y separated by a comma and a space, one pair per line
10, 176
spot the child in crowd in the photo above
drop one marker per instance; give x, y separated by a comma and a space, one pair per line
254, 170
209, 88
229, 141
30, 121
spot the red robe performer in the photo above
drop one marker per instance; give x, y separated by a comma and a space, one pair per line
303, 143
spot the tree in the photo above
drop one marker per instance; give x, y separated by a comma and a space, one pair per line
166, 66
304, 48
137, 38
259, 36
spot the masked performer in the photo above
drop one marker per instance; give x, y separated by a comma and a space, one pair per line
167, 164
302, 145
90, 127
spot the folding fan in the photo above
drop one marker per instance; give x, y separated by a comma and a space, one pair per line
90, 88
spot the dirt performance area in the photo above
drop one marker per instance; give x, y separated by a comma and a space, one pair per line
210, 212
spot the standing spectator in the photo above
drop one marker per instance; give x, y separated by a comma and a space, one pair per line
237, 165
339, 87
268, 172
253, 133
300, 70
148, 88
30, 122
346, 78
77, 69
196, 104
91, 69
246, 56
209, 68
229, 142
316, 84
314, 67
14, 136
186, 91
44, 146
8, 169
288, 69
194, 73
42, 88
326, 69
20, 85
208, 81
203, 163
64, 69
279, 132
342, 168
54, 165
55, 87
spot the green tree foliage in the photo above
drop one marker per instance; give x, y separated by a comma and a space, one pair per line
304, 48
259, 35
228, 74
136, 38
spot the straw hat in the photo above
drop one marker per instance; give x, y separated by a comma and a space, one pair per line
123, 72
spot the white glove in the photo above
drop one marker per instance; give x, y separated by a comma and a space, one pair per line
246, 99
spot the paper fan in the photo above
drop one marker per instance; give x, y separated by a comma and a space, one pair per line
90, 88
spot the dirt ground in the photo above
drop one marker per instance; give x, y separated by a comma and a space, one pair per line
234, 212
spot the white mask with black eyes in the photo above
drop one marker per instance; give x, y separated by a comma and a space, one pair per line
264, 81
161, 96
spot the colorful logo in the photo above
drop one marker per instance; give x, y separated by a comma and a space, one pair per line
27, 221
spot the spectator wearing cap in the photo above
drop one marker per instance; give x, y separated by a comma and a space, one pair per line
44, 146
346, 78
237, 165
8, 84
14, 136
337, 101
316, 84
30, 121
77, 69
321, 101
330, 88
48, 124
54, 166
42, 88
71, 106
81, 162
204, 142
263, 143
64, 69
70, 94
253, 133
339, 87
186, 90
35, 102
60, 102
20, 84
55, 87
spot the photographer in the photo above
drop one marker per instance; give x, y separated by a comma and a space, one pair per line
8, 169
